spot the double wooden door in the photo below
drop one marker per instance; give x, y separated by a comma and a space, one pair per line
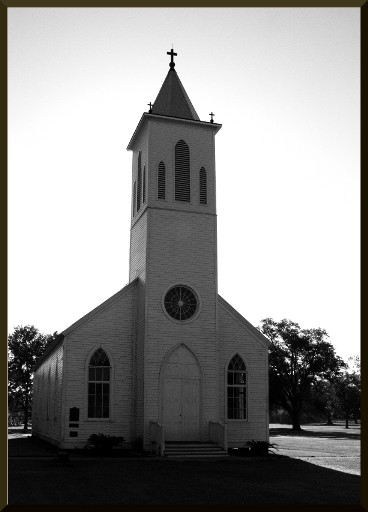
181, 397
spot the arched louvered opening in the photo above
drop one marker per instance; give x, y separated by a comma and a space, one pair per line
182, 172
144, 184
134, 198
161, 181
202, 186
236, 389
99, 370
139, 187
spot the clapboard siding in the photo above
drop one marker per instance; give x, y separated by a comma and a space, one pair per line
47, 397
182, 251
236, 338
111, 328
162, 138
140, 152
138, 261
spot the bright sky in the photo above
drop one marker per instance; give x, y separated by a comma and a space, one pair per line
284, 83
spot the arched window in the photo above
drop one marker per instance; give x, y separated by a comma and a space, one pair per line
48, 393
182, 172
202, 186
139, 187
56, 387
236, 389
134, 197
144, 184
161, 181
99, 370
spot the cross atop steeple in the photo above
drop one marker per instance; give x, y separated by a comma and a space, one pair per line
171, 52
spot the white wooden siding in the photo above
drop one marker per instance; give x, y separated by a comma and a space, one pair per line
47, 397
236, 338
112, 329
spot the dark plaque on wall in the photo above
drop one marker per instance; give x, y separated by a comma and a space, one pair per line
74, 414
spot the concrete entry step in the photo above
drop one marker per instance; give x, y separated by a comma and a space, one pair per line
194, 450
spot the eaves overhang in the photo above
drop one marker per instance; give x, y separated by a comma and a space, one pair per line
146, 116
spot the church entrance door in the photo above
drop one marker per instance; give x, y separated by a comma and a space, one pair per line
181, 396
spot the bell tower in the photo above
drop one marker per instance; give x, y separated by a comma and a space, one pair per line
173, 253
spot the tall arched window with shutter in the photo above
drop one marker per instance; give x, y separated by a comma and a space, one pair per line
139, 184
161, 181
182, 172
99, 371
236, 389
202, 186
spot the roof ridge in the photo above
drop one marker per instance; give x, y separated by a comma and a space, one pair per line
261, 337
60, 337
100, 307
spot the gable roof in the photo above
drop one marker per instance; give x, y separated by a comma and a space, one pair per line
83, 320
172, 100
261, 337
100, 308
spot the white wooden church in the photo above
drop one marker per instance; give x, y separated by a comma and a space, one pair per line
166, 359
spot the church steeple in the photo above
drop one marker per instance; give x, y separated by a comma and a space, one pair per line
172, 100
173, 155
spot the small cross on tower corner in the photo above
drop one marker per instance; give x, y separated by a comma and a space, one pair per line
211, 114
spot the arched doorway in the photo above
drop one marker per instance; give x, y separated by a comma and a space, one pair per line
181, 396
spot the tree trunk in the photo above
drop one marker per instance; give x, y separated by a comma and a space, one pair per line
347, 420
295, 420
329, 417
25, 428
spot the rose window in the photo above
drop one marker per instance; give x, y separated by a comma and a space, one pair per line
181, 303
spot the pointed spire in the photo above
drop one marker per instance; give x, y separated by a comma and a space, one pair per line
172, 100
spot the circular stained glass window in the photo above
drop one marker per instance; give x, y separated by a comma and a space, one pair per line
181, 303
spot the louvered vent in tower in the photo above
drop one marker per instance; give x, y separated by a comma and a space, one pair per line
202, 186
182, 172
134, 197
161, 181
139, 187
144, 184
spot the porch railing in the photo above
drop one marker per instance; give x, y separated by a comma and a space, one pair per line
218, 433
157, 438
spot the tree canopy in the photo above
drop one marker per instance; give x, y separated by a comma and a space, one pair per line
25, 345
297, 359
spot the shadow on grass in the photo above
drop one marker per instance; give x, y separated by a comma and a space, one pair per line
34, 447
268, 480
335, 434
30, 447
